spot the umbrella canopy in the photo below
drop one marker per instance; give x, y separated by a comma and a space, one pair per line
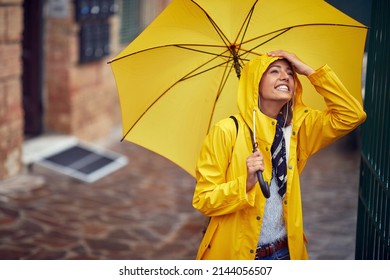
180, 75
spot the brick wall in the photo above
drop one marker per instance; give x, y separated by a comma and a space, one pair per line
81, 98
11, 116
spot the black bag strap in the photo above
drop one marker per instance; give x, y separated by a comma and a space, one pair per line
236, 122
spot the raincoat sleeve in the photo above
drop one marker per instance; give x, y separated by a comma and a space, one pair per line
214, 195
343, 114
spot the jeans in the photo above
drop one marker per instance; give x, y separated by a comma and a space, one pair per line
281, 254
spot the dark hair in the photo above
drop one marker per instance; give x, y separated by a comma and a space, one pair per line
287, 111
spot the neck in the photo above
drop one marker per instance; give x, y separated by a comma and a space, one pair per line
271, 109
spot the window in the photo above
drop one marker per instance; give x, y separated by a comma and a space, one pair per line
94, 36
130, 20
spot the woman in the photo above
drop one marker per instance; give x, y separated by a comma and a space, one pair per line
245, 224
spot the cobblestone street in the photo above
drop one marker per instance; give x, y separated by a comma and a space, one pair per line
143, 211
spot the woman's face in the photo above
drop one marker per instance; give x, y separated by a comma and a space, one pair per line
277, 83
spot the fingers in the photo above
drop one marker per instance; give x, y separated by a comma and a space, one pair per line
299, 66
254, 163
258, 158
281, 53
287, 55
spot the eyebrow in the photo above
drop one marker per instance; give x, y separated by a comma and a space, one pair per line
279, 66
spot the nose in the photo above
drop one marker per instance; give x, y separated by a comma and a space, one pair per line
284, 76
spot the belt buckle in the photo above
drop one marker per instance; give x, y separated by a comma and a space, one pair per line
272, 249
267, 249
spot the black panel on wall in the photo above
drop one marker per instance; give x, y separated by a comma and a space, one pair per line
94, 35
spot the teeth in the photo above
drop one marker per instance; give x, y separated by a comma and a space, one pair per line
283, 88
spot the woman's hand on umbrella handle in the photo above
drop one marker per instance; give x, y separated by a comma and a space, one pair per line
254, 163
299, 66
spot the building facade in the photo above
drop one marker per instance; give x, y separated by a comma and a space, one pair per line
54, 76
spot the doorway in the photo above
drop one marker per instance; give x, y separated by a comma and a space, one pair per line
32, 63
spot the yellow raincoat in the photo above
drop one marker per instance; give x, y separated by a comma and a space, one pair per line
236, 216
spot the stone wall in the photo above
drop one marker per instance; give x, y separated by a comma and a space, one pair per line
81, 98
78, 99
11, 115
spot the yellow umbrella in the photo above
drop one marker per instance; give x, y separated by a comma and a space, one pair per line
180, 75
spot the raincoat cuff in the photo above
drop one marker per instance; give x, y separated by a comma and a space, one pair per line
250, 196
320, 72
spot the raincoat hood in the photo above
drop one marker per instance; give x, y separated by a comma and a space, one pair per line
248, 88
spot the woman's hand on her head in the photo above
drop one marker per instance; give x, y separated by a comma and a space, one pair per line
299, 66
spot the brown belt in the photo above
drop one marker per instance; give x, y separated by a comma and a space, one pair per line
267, 250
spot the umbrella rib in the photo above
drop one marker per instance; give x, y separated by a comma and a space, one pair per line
224, 79
185, 77
208, 69
183, 46
270, 39
216, 27
230, 46
243, 42
282, 30
246, 24
219, 31
229, 58
235, 50
186, 47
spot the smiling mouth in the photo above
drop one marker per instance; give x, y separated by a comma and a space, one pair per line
283, 88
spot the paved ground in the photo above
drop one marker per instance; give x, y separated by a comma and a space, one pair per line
143, 210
